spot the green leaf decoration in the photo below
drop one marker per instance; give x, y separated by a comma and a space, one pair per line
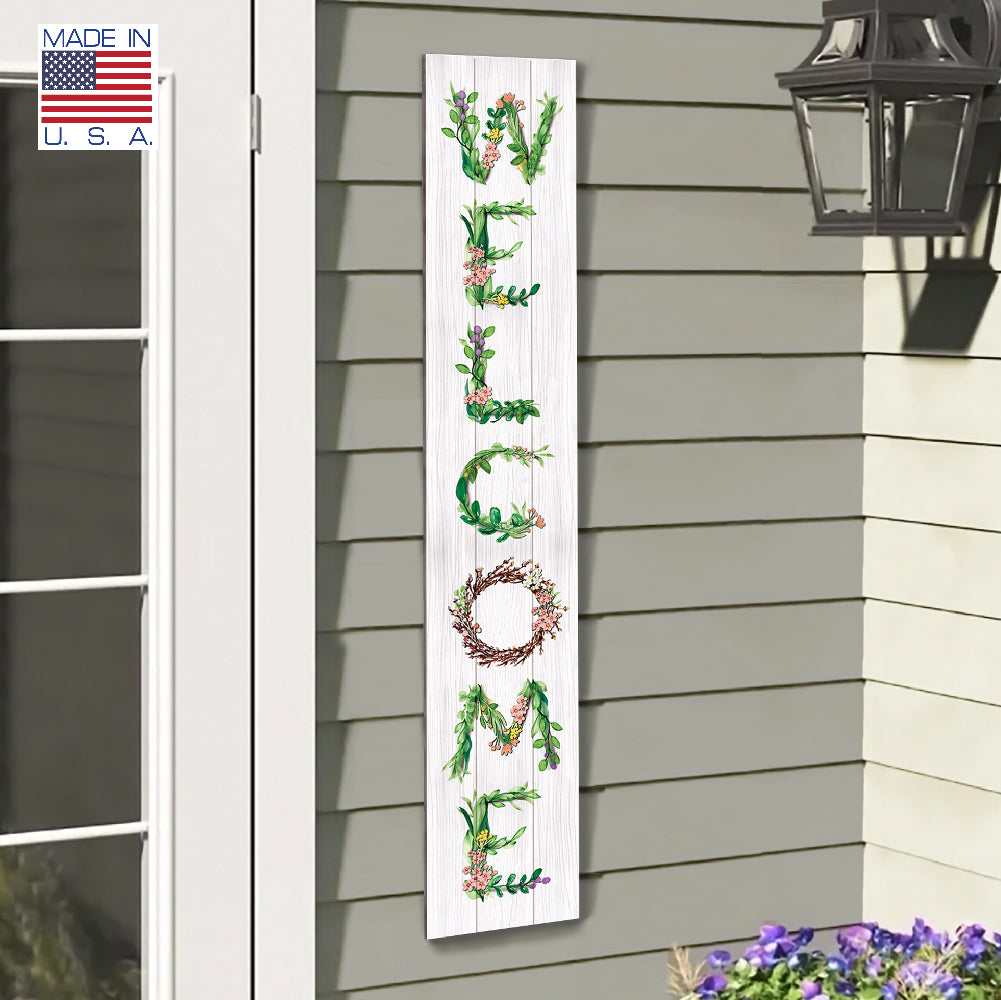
464, 369
449, 132
543, 764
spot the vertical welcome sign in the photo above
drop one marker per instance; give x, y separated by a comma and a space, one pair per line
500, 445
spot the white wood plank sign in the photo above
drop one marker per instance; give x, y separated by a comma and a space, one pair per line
500, 452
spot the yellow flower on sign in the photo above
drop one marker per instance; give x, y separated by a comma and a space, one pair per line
482, 837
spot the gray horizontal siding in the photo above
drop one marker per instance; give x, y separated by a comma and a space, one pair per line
379, 852
366, 584
365, 406
777, 11
380, 493
720, 413
669, 145
361, 316
382, 941
618, 230
656, 60
765, 730
380, 672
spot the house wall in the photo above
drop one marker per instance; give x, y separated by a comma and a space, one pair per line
932, 804
720, 499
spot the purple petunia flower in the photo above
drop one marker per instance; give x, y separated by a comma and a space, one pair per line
873, 965
890, 991
803, 936
853, 941
771, 932
810, 990
837, 964
717, 959
711, 985
844, 988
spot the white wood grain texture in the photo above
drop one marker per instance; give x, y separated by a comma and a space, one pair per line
554, 495
449, 554
505, 612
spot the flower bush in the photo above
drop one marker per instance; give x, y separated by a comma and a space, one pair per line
870, 963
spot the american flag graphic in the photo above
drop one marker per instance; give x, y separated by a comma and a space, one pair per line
97, 87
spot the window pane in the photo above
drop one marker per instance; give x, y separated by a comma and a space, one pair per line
70, 709
70, 920
70, 228
70, 449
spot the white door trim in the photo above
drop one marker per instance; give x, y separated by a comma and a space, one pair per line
284, 506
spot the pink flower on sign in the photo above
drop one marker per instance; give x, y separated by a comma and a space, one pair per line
479, 396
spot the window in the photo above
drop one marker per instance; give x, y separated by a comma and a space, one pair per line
85, 556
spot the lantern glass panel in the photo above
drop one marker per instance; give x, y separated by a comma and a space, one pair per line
921, 139
846, 41
835, 136
917, 39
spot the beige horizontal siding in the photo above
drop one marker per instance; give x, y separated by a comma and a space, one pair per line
365, 406
941, 652
377, 852
777, 728
945, 399
913, 480
363, 316
892, 256
898, 887
618, 230
963, 835
669, 145
946, 312
778, 11
380, 941
379, 494
967, 739
366, 584
380, 672
656, 60
951, 569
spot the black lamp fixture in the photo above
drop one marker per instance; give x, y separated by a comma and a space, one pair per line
887, 106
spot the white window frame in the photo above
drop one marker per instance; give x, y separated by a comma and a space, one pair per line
284, 502
155, 581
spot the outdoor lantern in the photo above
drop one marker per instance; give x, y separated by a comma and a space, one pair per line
887, 106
